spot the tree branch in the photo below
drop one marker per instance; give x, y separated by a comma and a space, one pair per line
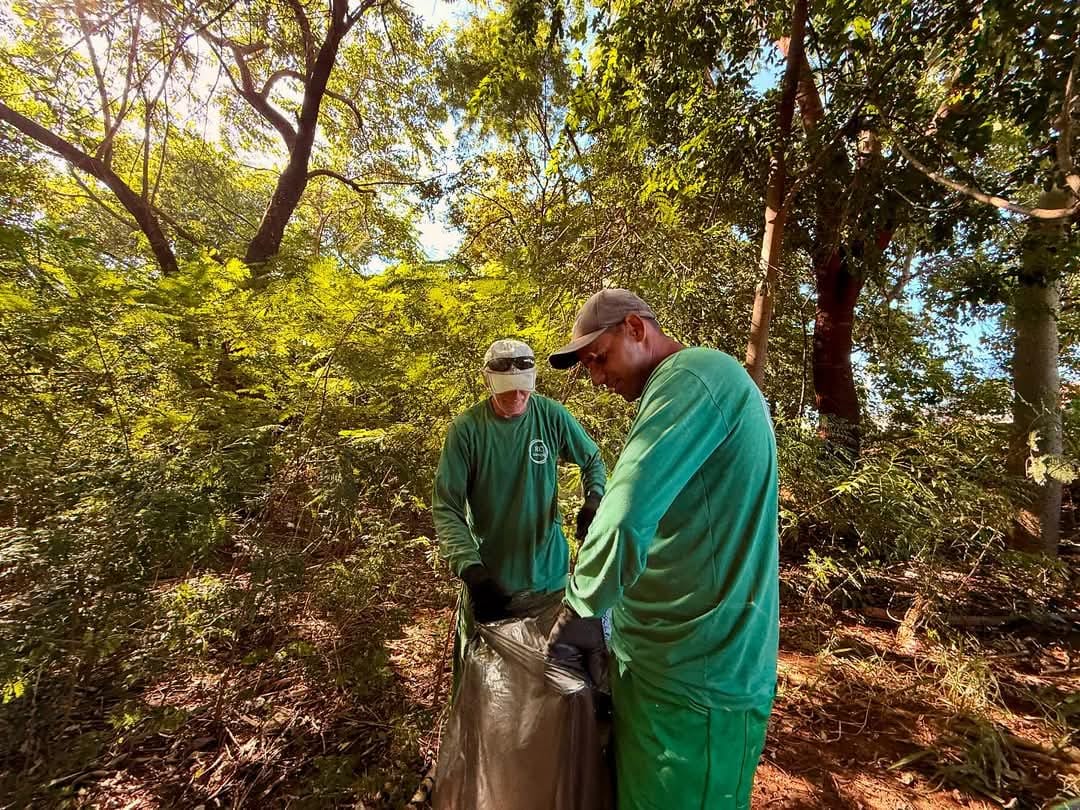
247, 90
350, 104
359, 188
95, 167
147, 119
125, 97
161, 158
906, 274
1064, 144
509, 214
772, 240
112, 123
293, 179
811, 110
983, 197
366, 183
103, 150
304, 24
278, 75
351, 19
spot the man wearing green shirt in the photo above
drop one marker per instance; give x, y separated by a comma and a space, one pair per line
684, 549
495, 502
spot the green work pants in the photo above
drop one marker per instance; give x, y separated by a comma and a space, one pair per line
681, 755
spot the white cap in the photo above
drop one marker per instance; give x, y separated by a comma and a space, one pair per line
515, 379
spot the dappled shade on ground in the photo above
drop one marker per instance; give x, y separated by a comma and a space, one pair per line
305, 709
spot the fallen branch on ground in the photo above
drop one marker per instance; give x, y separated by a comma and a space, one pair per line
954, 620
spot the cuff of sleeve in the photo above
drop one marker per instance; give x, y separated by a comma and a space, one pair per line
459, 564
579, 605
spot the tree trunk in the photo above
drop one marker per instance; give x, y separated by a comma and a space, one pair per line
835, 397
1037, 388
838, 288
839, 268
292, 182
772, 241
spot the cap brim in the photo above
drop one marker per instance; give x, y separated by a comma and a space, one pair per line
566, 357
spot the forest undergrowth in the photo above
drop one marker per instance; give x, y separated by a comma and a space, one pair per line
316, 674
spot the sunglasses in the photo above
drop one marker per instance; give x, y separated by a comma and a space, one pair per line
503, 364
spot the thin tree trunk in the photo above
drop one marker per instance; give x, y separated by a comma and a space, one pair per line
772, 241
1037, 388
292, 182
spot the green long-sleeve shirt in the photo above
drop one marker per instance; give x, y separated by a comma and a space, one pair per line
495, 497
684, 546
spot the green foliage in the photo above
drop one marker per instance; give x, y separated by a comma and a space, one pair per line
204, 475
199, 614
922, 493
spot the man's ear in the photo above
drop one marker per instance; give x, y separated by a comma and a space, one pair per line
635, 326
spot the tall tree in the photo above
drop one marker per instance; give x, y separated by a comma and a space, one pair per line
680, 86
120, 63
1036, 309
772, 241
310, 66
997, 114
117, 90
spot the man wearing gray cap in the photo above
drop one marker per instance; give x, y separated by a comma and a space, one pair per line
495, 501
684, 550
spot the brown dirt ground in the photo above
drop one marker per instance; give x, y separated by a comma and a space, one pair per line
859, 722
862, 723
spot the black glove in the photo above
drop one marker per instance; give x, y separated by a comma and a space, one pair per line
489, 600
578, 644
586, 514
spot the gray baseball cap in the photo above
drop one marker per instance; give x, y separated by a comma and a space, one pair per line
605, 309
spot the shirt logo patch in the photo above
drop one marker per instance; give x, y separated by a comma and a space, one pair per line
538, 452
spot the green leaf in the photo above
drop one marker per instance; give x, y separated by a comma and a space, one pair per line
13, 690
913, 757
12, 300
361, 437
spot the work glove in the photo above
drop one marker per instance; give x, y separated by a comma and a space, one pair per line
586, 514
578, 644
489, 601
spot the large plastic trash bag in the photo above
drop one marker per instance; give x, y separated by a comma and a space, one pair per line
522, 734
